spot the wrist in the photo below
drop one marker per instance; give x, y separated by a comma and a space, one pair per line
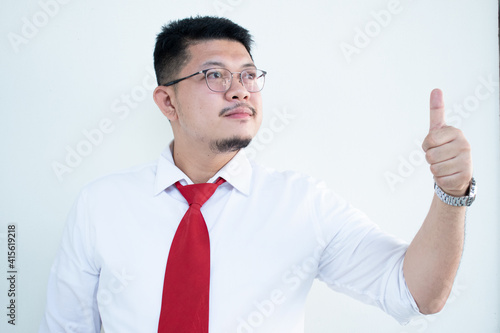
466, 198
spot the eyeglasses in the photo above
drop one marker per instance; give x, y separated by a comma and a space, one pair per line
220, 79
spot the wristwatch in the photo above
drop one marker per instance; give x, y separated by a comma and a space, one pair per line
466, 200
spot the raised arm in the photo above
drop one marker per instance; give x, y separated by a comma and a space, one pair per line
433, 257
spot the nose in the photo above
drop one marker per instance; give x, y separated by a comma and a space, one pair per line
237, 90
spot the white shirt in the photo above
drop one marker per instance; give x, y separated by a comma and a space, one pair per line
271, 234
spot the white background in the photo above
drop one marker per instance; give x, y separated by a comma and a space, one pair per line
353, 121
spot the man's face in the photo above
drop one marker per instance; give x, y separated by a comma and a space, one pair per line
205, 117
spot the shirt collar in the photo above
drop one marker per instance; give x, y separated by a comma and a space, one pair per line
237, 172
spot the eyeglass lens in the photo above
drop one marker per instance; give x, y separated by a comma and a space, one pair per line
219, 79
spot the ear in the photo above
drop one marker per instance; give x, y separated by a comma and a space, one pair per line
165, 99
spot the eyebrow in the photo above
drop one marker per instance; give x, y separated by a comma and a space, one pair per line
220, 64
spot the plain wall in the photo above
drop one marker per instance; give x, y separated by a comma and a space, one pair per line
348, 84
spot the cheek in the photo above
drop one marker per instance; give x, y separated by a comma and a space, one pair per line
191, 110
189, 118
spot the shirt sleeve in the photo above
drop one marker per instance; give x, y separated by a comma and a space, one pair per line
361, 260
71, 293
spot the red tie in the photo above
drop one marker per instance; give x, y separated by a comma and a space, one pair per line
184, 307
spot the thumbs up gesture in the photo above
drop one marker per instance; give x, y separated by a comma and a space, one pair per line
447, 151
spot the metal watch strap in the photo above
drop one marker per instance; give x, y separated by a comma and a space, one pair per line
457, 201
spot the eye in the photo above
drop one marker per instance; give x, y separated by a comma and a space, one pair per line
250, 75
214, 74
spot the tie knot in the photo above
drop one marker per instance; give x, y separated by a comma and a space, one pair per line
198, 193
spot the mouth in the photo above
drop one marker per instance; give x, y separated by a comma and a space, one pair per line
241, 111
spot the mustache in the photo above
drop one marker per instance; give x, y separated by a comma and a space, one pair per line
238, 105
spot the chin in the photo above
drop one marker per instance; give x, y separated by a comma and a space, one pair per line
231, 144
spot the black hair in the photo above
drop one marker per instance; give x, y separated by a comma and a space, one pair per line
171, 53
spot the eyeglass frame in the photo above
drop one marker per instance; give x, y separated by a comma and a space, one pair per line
204, 72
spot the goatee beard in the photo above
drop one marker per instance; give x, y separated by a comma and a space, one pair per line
229, 145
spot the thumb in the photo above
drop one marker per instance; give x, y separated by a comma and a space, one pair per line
437, 119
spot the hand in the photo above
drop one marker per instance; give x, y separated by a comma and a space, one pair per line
447, 151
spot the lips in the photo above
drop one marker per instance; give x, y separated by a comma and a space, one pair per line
239, 112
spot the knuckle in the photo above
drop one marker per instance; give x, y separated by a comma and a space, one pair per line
425, 143
434, 169
458, 132
453, 130
430, 156
433, 138
466, 146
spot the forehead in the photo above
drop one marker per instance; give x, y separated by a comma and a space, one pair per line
222, 52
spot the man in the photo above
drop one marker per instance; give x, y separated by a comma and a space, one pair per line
270, 233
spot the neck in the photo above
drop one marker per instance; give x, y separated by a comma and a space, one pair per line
197, 163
